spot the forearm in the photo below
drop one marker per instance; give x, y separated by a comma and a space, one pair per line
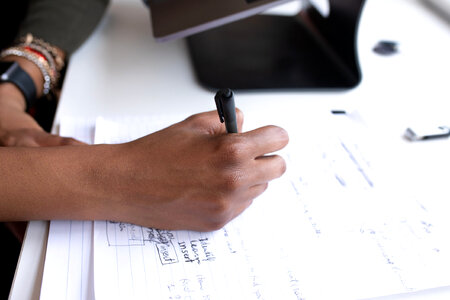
54, 182
191, 175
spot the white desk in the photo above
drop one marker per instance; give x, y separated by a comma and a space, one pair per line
122, 71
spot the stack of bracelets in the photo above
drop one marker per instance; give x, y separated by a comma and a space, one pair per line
43, 55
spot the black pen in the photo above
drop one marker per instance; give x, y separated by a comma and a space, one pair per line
227, 111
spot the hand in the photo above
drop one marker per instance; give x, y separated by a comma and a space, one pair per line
193, 175
34, 137
17, 128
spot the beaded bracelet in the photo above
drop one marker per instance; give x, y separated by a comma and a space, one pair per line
40, 62
30, 40
45, 55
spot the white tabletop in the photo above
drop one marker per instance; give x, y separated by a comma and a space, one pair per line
121, 70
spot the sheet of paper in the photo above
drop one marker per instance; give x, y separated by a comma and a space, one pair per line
68, 261
330, 228
78, 128
68, 269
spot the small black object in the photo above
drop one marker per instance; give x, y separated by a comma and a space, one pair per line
386, 48
338, 112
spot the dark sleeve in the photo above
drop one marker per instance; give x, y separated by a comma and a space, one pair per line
63, 23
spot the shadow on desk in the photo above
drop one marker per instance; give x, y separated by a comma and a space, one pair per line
9, 254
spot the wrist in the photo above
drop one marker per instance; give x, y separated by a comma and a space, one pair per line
11, 97
12, 111
98, 173
42, 61
31, 69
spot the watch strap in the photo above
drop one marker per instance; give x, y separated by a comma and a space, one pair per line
17, 76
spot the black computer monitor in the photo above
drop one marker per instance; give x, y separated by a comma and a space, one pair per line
254, 52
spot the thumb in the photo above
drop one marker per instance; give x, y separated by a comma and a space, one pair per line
67, 141
52, 140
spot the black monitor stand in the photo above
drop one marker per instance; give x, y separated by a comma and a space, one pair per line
306, 51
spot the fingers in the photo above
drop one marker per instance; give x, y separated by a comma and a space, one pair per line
240, 119
66, 141
233, 206
265, 140
258, 142
252, 193
35, 138
51, 140
210, 122
268, 168
251, 173
21, 138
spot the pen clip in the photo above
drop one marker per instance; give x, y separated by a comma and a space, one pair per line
219, 106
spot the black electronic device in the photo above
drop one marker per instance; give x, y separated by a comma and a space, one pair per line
253, 52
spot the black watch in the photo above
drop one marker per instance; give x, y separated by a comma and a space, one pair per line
13, 73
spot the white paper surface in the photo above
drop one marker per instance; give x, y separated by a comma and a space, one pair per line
330, 228
125, 129
333, 227
68, 261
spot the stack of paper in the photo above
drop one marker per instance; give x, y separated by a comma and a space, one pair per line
330, 228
